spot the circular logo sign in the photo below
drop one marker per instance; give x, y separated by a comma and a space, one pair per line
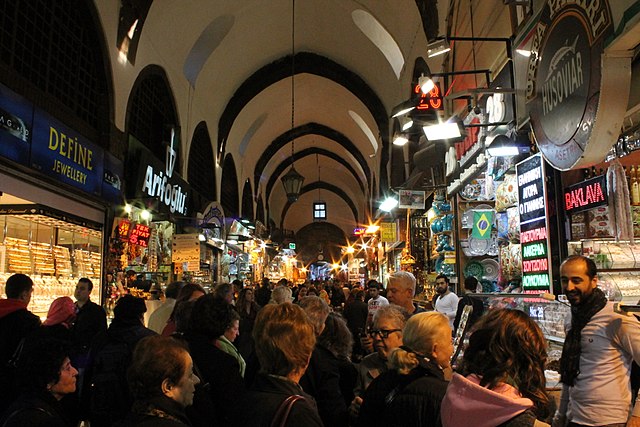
563, 84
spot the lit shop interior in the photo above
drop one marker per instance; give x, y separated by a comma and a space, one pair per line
52, 247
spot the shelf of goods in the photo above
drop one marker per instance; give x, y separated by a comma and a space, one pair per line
618, 266
478, 253
442, 245
50, 268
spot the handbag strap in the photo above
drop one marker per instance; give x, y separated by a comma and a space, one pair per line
282, 414
13, 362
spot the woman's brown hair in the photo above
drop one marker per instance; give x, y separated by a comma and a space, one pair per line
508, 347
284, 338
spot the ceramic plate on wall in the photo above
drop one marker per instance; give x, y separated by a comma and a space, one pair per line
491, 268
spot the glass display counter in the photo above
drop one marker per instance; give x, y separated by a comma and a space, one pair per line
618, 266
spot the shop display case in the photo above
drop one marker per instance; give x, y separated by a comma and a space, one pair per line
54, 253
618, 265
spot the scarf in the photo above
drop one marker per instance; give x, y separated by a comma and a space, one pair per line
571, 350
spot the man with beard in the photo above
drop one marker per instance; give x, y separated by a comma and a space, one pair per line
447, 301
597, 354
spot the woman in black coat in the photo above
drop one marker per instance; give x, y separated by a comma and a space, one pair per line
285, 339
47, 376
410, 393
162, 381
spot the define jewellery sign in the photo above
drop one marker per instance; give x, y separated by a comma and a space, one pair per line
534, 231
156, 180
62, 153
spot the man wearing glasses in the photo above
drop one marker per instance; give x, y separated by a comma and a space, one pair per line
386, 334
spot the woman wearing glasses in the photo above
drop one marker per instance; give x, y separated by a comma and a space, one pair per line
409, 394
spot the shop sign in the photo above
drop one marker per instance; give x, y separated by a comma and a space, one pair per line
185, 248
564, 74
156, 180
112, 179
388, 232
123, 229
359, 231
16, 114
212, 224
292, 246
139, 235
534, 236
429, 101
411, 199
586, 195
62, 153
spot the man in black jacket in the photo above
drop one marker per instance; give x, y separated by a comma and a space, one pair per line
16, 322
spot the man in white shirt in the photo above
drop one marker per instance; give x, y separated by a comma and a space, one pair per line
158, 319
447, 301
376, 300
596, 357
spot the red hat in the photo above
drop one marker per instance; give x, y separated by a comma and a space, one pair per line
62, 310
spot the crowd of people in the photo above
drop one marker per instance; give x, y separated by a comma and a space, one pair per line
311, 355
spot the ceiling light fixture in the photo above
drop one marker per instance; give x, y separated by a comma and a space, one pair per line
400, 139
426, 83
389, 204
438, 47
292, 180
451, 129
403, 108
509, 145
405, 123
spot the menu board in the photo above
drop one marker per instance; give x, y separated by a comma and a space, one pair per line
534, 231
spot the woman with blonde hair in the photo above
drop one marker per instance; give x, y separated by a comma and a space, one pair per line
409, 394
502, 381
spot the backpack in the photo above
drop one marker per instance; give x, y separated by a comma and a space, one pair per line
109, 399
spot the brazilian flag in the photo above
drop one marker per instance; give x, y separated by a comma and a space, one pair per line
482, 223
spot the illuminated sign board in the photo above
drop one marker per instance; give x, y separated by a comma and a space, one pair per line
139, 235
359, 231
534, 234
431, 100
123, 229
292, 246
586, 195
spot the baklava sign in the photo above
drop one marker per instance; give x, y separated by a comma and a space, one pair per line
564, 77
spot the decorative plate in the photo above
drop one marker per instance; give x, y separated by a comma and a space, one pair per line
475, 269
472, 190
491, 269
478, 247
467, 219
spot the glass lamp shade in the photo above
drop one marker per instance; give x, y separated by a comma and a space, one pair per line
292, 183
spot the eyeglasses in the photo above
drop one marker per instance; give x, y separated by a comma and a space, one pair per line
383, 333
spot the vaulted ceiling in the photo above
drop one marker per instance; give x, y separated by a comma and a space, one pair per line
229, 64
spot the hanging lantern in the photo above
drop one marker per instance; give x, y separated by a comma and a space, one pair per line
292, 183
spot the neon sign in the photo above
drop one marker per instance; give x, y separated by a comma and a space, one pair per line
586, 195
123, 229
140, 234
431, 100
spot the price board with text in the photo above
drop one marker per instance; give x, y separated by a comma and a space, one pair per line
139, 235
534, 230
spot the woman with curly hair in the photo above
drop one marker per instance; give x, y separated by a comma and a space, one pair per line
502, 382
